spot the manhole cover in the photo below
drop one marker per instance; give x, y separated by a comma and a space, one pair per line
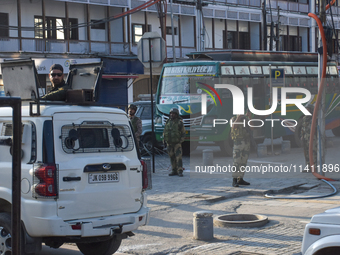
241, 220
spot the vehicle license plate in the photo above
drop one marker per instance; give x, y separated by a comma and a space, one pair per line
104, 177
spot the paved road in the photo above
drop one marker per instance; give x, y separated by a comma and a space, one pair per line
173, 201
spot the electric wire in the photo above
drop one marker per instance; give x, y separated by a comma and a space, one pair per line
86, 24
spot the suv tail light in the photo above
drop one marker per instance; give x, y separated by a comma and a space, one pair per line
145, 179
45, 180
146, 173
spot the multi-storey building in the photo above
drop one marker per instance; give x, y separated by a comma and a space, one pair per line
66, 31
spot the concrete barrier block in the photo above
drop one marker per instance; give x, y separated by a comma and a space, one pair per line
285, 146
261, 150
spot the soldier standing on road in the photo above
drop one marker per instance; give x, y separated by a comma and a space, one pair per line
135, 122
240, 135
174, 133
59, 88
306, 128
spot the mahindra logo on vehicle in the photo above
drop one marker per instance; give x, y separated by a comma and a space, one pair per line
238, 100
106, 166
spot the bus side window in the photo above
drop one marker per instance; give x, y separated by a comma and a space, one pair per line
303, 82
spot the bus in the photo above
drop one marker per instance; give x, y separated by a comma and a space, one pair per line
183, 85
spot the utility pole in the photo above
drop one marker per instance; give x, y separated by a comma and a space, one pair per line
264, 25
271, 28
172, 34
321, 113
278, 46
200, 27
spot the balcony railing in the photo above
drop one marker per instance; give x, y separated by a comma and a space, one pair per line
63, 46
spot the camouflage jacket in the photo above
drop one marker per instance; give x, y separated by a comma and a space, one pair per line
136, 125
306, 127
57, 93
174, 131
238, 131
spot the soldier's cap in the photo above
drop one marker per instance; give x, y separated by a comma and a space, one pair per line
132, 106
57, 67
174, 110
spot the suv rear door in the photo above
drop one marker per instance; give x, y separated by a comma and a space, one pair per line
98, 174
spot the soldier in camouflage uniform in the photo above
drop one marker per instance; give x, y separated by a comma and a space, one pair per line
174, 133
241, 138
305, 137
59, 88
136, 123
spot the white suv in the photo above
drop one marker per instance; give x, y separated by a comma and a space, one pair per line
322, 234
82, 180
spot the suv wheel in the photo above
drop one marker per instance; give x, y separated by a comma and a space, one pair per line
5, 234
147, 141
107, 247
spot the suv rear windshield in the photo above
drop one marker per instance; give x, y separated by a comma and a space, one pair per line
98, 136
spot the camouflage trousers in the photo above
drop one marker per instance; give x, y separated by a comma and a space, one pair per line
175, 154
306, 152
240, 156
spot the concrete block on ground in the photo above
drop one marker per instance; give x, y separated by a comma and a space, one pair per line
285, 146
208, 157
203, 225
261, 150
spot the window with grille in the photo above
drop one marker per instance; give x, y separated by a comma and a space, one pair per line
4, 29
55, 28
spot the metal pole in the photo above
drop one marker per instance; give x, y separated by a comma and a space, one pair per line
152, 121
271, 103
172, 33
198, 21
264, 25
278, 47
271, 28
321, 112
15, 103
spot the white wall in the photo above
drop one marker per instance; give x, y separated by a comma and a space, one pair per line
187, 31
137, 18
255, 36
208, 39
54, 8
28, 11
168, 24
219, 27
78, 11
303, 31
10, 7
154, 22
116, 26
98, 12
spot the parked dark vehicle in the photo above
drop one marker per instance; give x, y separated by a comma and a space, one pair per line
144, 113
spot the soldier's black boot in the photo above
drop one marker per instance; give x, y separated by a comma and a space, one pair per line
242, 182
173, 173
235, 184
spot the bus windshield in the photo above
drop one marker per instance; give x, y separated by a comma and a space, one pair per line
179, 80
186, 85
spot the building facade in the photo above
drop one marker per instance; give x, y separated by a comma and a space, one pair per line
79, 30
